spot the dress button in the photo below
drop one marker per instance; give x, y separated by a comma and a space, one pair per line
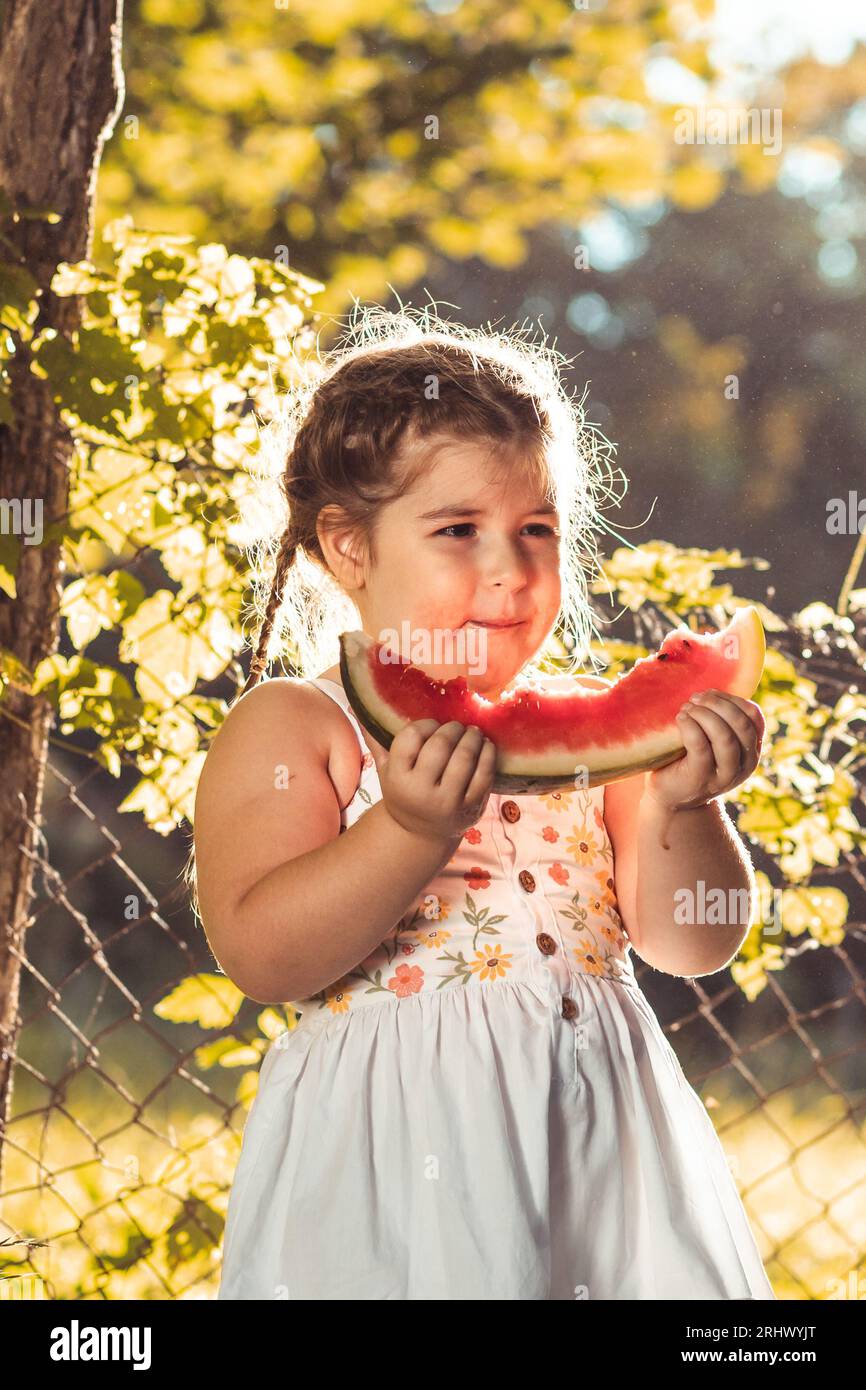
569, 1008
545, 943
510, 811
526, 880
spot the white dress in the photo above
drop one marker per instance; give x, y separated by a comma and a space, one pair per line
487, 1107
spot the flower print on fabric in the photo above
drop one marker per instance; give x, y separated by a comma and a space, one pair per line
592, 916
556, 801
475, 924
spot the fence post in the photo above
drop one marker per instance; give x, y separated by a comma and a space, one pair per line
61, 90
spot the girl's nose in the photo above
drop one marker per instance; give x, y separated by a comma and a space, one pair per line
503, 563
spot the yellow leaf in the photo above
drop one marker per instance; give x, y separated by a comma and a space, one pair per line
821, 911
167, 797
173, 651
77, 278
751, 975
210, 1053
816, 616
211, 1000
768, 815
500, 244
273, 1024
248, 1056
113, 495
247, 1088
91, 605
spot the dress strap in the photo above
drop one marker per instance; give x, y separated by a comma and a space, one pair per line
339, 696
368, 789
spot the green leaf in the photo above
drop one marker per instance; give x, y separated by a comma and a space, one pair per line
97, 603
109, 757
92, 375
19, 293
55, 674
10, 554
13, 672
157, 274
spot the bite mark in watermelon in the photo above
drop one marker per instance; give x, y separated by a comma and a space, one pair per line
546, 738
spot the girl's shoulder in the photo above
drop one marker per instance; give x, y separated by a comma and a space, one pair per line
284, 720
266, 793
268, 704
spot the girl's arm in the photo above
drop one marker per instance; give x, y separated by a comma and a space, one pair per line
683, 878
315, 916
289, 904
665, 895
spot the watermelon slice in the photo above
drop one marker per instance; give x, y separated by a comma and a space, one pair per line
558, 739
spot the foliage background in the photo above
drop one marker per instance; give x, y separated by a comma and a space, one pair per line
271, 164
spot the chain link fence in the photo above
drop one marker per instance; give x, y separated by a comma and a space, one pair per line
127, 1113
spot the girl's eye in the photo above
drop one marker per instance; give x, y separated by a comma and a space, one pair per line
540, 526
458, 526
468, 525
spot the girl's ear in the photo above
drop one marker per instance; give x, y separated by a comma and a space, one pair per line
341, 547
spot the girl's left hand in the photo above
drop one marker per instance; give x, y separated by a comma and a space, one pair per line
722, 734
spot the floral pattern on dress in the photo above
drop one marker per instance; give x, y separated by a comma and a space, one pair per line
583, 846
489, 961
436, 908
406, 980
455, 933
556, 801
592, 912
477, 878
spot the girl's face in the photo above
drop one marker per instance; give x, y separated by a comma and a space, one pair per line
467, 574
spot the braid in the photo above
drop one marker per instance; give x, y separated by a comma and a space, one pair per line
285, 557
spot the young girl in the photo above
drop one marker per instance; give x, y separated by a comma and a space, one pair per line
478, 1101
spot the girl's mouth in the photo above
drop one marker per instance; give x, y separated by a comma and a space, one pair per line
495, 626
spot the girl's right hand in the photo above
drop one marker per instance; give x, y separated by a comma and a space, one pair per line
437, 778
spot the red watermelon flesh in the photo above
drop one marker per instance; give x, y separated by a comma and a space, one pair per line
559, 738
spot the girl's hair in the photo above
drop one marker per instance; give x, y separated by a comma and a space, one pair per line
363, 430
359, 428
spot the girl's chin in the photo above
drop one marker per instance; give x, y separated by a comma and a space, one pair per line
490, 683
494, 681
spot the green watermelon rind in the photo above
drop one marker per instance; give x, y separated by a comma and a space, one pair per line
514, 783
653, 752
